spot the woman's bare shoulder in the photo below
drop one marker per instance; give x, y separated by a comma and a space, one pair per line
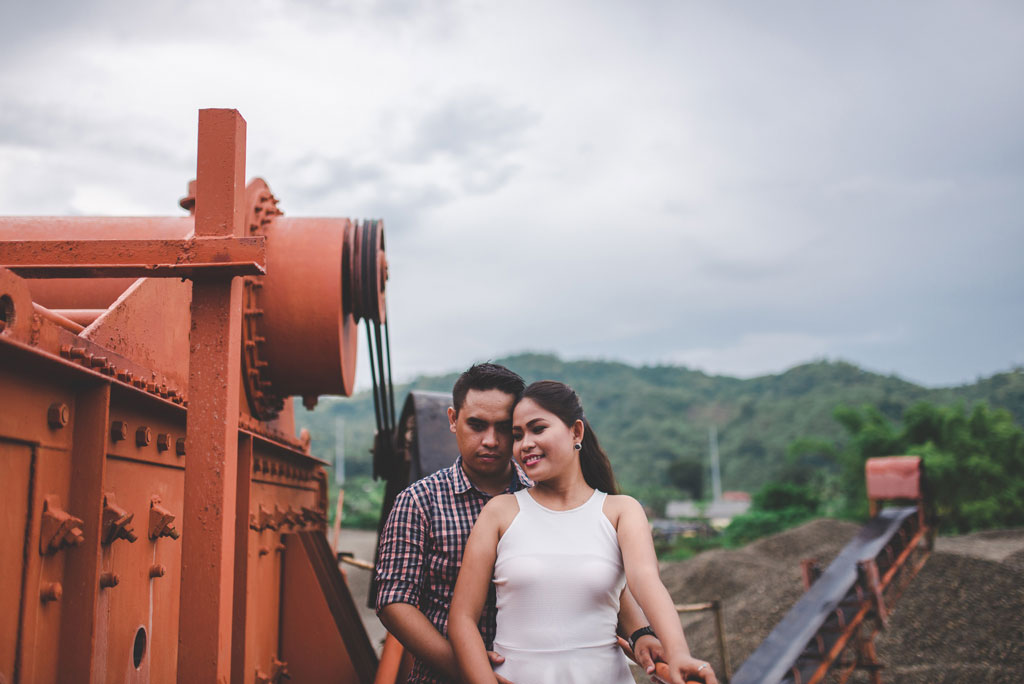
499, 511
621, 506
621, 502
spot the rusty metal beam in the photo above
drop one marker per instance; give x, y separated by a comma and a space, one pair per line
208, 535
243, 494
78, 635
195, 257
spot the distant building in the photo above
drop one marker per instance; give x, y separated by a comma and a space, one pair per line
718, 513
668, 530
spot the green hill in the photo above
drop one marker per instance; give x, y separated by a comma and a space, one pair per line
652, 416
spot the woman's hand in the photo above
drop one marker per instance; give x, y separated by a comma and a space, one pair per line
684, 668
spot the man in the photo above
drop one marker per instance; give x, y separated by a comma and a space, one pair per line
424, 537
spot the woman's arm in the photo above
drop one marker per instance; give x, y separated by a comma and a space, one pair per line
471, 594
644, 582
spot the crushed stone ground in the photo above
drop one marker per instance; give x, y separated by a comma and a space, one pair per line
960, 620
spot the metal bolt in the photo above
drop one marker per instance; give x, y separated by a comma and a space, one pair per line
163, 441
98, 362
179, 446
118, 430
157, 571
77, 352
51, 592
58, 415
109, 579
143, 436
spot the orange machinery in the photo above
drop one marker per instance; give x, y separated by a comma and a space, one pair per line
829, 632
161, 521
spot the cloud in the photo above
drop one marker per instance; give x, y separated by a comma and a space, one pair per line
737, 187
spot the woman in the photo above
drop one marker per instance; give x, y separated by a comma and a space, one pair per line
559, 554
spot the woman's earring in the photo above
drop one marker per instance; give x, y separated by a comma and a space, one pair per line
577, 446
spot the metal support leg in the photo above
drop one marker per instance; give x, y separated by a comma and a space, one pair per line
208, 534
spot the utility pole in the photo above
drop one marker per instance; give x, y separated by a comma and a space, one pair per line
716, 470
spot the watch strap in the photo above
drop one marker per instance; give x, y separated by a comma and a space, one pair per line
643, 631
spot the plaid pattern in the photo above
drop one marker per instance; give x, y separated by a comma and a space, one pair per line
421, 550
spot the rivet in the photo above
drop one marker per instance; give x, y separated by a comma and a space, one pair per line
77, 352
58, 415
98, 362
109, 579
118, 430
51, 592
163, 441
143, 436
157, 571
179, 446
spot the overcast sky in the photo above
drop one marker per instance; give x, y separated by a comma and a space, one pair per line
737, 187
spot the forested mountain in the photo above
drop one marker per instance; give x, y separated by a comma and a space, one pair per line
654, 420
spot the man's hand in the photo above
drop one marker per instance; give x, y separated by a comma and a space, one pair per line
497, 659
648, 652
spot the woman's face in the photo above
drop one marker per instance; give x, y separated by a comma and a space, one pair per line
542, 443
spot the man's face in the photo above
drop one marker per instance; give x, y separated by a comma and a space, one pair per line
483, 431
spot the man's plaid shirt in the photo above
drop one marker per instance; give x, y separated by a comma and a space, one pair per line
421, 550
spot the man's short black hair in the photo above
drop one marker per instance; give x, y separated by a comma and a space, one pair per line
486, 376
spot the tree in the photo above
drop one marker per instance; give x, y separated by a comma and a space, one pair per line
687, 474
973, 460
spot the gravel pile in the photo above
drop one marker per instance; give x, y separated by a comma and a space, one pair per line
961, 619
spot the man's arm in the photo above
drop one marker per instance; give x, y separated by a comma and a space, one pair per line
400, 577
631, 618
418, 634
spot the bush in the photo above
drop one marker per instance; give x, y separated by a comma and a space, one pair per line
756, 524
779, 496
363, 501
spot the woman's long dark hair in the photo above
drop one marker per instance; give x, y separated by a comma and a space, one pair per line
561, 400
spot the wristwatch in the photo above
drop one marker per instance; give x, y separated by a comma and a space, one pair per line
643, 631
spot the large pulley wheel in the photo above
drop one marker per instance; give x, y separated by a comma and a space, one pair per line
369, 271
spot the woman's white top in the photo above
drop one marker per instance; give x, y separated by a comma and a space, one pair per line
558, 576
